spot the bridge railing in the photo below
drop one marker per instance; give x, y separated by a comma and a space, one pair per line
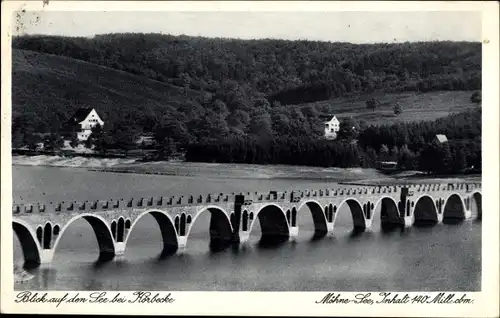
274, 196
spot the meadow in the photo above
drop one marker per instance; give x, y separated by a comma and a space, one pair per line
415, 106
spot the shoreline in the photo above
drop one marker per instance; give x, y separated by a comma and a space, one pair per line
231, 170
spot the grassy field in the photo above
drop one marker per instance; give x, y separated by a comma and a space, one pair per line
42, 81
415, 106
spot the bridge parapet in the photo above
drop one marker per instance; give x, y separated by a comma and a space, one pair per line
272, 196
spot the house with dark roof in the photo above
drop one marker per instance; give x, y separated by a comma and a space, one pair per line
84, 120
332, 127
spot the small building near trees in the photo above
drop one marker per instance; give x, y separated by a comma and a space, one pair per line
440, 139
332, 127
84, 120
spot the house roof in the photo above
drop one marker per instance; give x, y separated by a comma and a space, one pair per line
441, 138
81, 114
328, 118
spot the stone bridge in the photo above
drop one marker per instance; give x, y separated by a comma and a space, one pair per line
40, 227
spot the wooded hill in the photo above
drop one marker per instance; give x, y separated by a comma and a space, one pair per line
182, 76
195, 90
291, 72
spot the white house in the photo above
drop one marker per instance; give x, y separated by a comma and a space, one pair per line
440, 139
85, 119
331, 128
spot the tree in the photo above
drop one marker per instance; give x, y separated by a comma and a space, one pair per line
397, 109
124, 139
174, 129
476, 97
31, 140
310, 111
459, 159
17, 139
261, 126
53, 142
99, 139
384, 153
435, 158
372, 103
220, 108
167, 149
74, 142
407, 159
348, 129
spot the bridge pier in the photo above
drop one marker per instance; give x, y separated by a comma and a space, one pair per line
46, 256
440, 218
368, 224
119, 251
181, 241
329, 228
244, 236
407, 221
468, 214
294, 233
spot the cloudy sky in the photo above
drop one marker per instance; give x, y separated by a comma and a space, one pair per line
356, 27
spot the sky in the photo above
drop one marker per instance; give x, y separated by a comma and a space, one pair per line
355, 27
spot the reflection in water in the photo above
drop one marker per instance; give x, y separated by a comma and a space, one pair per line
350, 260
452, 221
388, 228
272, 241
318, 235
356, 232
424, 223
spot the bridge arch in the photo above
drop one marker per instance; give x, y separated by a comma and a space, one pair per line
220, 227
424, 210
273, 223
102, 232
29, 244
120, 230
358, 217
167, 229
47, 236
319, 215
389, 213
454, 208
477, 196
113, 229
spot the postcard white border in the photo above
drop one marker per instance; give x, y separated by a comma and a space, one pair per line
275, 303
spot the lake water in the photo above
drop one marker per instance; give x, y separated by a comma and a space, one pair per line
439, 258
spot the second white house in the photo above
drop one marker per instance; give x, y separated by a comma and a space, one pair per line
332, 127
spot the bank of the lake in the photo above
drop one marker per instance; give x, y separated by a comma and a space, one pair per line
226, 170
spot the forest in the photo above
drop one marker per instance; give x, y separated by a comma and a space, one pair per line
230, 100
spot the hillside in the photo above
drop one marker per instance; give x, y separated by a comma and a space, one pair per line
255, 101
50, 88
415, 106
290, 72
